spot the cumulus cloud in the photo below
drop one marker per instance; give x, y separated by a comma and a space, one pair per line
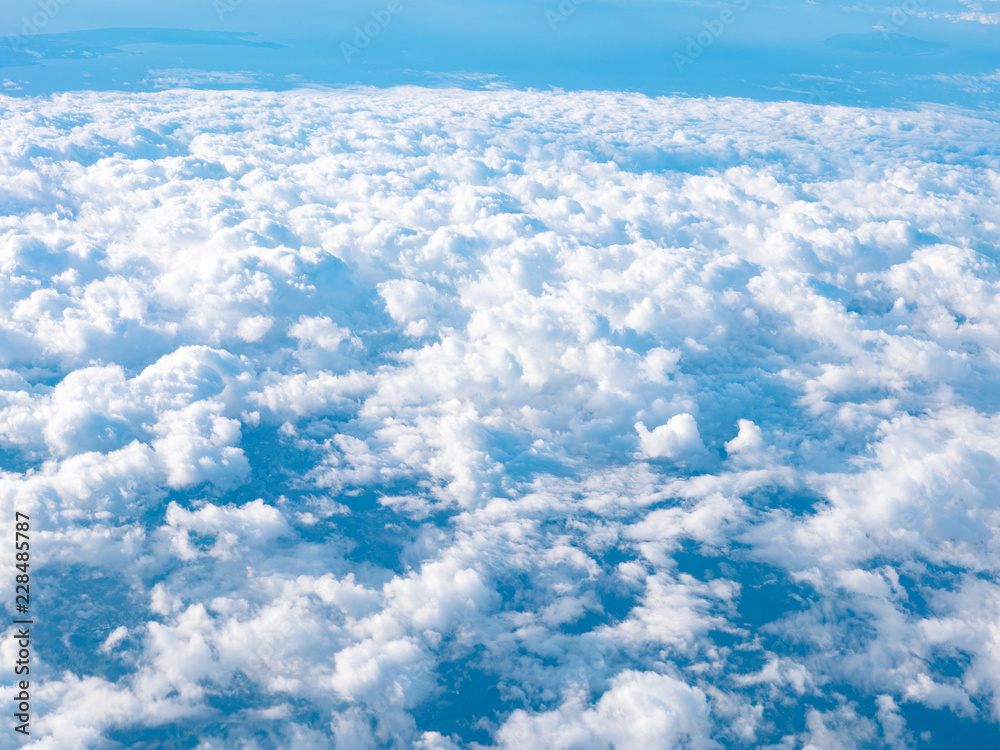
678, 437
499, 419
642, 709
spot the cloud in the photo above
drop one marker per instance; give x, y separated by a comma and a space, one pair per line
678, 437
446, 419
641, 709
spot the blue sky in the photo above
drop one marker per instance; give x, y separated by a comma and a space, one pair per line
944, 52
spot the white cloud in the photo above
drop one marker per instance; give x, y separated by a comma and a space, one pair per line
642, 709
432, 418
677, 438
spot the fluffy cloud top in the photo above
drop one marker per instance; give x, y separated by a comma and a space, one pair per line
450, 419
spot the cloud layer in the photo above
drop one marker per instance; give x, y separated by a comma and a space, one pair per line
493, 419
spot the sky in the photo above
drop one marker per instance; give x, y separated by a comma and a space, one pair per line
502, 381
941, 51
